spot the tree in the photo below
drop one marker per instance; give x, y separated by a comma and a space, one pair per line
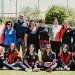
31, 13
56, 11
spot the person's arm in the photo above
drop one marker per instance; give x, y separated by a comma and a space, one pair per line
25, 62
48, 31
18, 56
59, 56
1, 55
14, 36
26, 36
25, 39
70, 60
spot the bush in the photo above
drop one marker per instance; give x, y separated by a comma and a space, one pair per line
56, 11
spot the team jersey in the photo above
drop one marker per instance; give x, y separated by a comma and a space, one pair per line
31, 58
43, 32
55, 33
66, 39
12, 57
65, 57
73, 35
20, 29
33, 37
10, 36
49, 58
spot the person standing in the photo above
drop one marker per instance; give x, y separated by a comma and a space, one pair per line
55, 36
31, 36
43, 31
20, 26
67, 36
2, 28
73, 38
10, 35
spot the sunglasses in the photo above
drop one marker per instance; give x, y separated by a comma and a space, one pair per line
48, 48
8, 24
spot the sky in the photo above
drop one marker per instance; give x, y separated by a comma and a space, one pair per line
10, 5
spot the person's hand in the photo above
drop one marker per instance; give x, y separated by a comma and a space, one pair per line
30, 67
65, 67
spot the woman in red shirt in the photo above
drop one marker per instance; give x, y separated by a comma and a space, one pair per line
65, 58
14, 58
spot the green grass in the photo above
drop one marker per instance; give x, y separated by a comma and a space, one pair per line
11, 72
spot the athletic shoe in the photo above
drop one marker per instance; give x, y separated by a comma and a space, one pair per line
36, 69
49, 70
28, 70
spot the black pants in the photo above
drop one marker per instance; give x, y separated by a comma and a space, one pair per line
55, 47
5, 64
19, 64
60, 64
20, 42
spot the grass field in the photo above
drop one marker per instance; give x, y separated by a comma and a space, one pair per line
11, 72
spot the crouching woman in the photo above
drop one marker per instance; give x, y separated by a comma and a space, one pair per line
49, 59
14, 57
31, 58
65, 58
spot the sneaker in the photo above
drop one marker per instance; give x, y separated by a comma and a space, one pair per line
4, 68
61, 69
49, 70
28, 70
16, 68
36, 69
57, 69
68, 69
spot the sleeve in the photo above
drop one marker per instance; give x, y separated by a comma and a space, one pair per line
26, 57
54, 56
17, 55
14, 36
27, 30
71, 57
50, 28
59, 56
14, 25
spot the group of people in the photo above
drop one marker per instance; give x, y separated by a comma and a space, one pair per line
56, 43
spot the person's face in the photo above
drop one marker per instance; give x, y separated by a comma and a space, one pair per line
65, 49
55, 22
65, 24
21, 18
31, 48
9, 26
42, 23
12, 46
32, 24
48, 49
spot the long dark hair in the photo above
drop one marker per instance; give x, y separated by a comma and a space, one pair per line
9, 49
45, 53
65, 54
27, 50
30, 22
7, 22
